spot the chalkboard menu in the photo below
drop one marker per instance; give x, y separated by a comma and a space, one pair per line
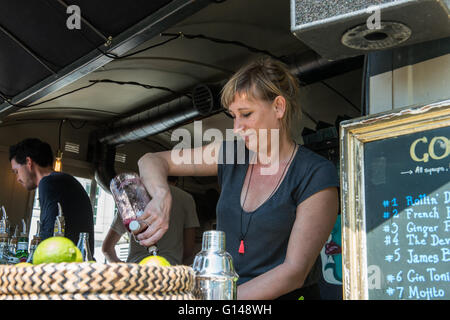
395, 177
408, 216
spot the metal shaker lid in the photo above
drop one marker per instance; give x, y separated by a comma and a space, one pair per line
213, 240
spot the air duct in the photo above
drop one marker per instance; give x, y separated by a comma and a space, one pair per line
162, 117
202, 102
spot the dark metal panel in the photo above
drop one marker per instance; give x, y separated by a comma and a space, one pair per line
42, 28
10, 73
112, 17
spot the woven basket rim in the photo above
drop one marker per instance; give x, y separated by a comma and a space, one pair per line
95, 278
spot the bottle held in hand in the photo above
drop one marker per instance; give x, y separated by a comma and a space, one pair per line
131, 198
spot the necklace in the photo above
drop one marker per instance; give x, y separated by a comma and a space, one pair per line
242, 237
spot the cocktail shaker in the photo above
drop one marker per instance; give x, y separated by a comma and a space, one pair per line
215, 278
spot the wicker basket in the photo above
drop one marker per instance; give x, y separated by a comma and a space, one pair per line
96, 281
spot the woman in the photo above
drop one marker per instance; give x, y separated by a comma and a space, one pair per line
278, 208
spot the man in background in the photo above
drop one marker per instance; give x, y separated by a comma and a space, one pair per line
32, 162
177, 244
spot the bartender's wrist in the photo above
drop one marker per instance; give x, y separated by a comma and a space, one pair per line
160, 191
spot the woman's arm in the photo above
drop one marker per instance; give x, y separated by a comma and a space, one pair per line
314, 222
154, 168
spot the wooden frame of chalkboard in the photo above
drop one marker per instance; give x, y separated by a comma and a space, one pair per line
386, 134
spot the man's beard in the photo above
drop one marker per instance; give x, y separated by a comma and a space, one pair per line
30, 186
29, 183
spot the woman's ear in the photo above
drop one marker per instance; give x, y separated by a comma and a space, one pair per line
280, 106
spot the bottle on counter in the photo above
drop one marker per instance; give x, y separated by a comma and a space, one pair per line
22, 244
13, 242
4, 239
5, 222
83, 245
4, 248
34, 243
13, 248
59, 228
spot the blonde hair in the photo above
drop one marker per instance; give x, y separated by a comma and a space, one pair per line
265, 79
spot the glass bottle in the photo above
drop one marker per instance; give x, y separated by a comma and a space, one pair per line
4, 223
83, 245
131, 198
22, 244
13, 242
12, 248
34, 243
4, 250
59, 228
4, 216
4, 239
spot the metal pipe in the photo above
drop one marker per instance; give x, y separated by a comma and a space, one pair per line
150, 122
157, 119
176, 112
310, 67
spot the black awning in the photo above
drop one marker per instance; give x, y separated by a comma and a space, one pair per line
40, 54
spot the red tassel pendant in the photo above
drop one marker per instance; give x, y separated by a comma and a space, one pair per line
241, 247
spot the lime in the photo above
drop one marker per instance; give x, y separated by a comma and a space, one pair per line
23, 264
155, 261
79, 257
55, 249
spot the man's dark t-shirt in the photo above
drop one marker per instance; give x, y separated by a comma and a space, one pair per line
75, 203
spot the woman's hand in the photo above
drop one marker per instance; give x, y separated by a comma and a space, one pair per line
154, 168
155, 219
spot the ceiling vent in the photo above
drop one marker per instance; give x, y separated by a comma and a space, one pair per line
203, 99
120, 157
72, 147
389, 34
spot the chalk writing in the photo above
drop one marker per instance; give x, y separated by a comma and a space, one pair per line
416, 245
